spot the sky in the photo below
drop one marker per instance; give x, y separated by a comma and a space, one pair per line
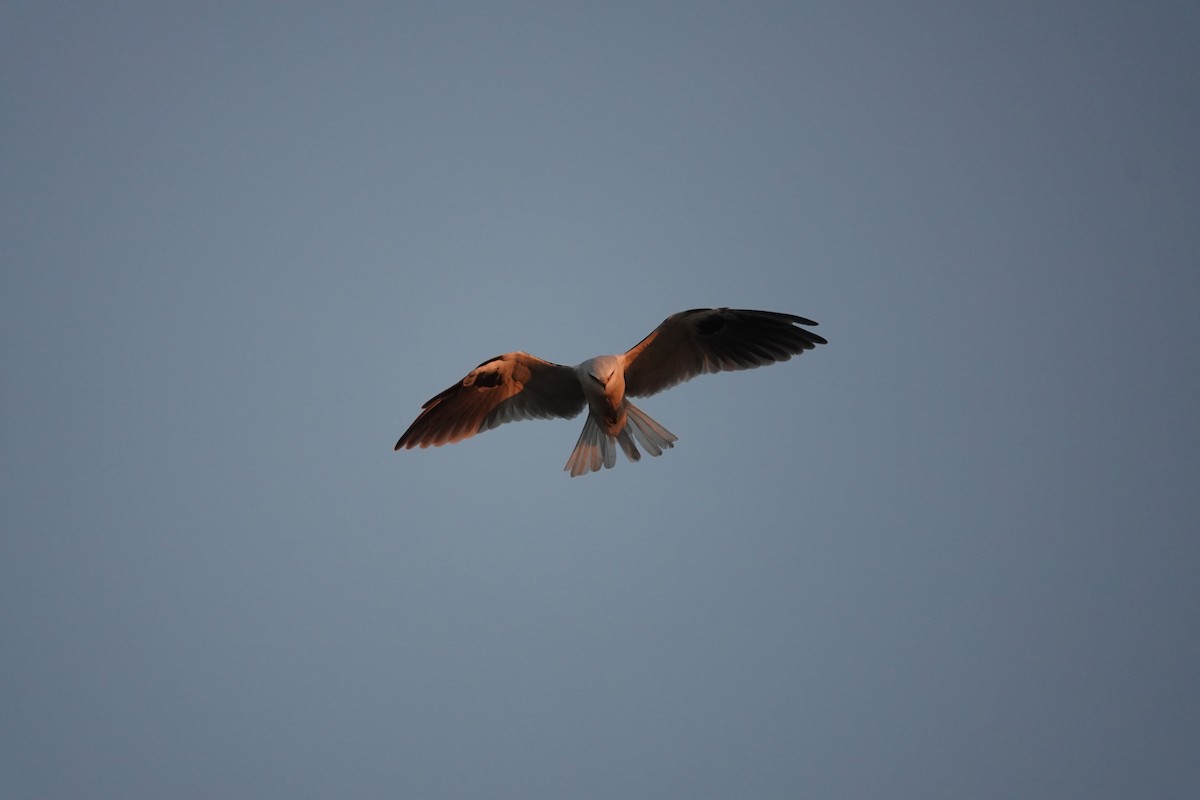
955, 553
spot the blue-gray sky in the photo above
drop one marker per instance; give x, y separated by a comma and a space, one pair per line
952, 554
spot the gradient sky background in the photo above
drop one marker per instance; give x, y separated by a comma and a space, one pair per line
953, 554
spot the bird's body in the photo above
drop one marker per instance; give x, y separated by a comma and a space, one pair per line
517, 386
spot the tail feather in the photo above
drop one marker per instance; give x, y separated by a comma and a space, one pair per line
596, 449
650, 434
593, 450
609, 451
625, 439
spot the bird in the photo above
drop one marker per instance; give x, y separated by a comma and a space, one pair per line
518, 386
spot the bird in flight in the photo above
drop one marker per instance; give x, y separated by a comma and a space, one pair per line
518, 386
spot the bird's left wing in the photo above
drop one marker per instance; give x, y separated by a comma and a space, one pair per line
507, 388
706, 340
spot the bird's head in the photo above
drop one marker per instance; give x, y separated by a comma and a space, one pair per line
602, 369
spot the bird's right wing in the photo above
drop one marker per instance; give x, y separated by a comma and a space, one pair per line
507, 388
706, 340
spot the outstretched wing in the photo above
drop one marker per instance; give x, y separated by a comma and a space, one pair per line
705, 340
507, 388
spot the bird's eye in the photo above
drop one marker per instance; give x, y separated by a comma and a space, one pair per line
598, 379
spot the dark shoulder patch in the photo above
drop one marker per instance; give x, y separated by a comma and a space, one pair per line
488, 379
710, 324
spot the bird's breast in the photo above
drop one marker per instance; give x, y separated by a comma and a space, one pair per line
607, 405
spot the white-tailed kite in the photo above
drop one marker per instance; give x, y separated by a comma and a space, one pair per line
518, 386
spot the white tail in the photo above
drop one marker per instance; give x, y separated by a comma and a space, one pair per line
595, 448
651, 435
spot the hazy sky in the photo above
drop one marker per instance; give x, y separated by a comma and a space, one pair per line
953, 554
